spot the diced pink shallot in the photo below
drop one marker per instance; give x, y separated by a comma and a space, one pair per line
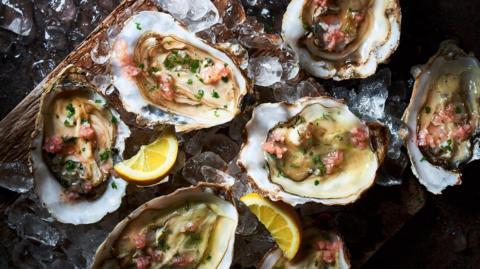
443, 116
86, 131
106, 167
87, 186
182, 260
332, 37
214, 74
332, 160
272, 148
53, 144
462, 132
139, 240
142, 262
359, 137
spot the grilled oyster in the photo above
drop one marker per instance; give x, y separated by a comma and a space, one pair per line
319, 249
342, 39
76, 141
165, 74
190, 228
443, 118
315, 150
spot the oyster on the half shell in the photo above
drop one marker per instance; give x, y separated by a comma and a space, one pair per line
166, 74
314, 150
443, 118
319, 249
190, 228
75, 144
342, 39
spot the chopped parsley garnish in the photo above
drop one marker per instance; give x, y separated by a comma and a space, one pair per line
70, 110
153, 69
428, 109
200, 94
162, 245
69, 139
70, 165
317, 182
68, 123
98, 101
423, 159
225, 79
189, 81
141, 66
104, 155
175, 59
306, 26
195, 239
114, 120
317, 160
448, 146
208, 62
215, 94
458, 110
138, 25
114, 185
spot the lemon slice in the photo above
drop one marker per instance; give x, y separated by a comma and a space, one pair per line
280, 220
152, 162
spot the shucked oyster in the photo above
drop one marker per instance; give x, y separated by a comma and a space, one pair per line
190, 228
74, 146
342, 39
165, 74
319, 249
443, 118
315, 150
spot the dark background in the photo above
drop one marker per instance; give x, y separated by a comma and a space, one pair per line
444, 234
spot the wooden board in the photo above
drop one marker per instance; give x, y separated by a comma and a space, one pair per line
387, 209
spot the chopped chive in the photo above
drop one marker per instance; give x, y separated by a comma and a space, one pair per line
104, 155
189, 81
215, 112
225, 79
427, 109
114, 185
141, 66
138, 25
458, 110
215, 94
317, 182
423, 159
199, 94
70, 110
114, 120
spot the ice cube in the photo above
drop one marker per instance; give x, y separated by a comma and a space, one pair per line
198, 15
16, 16
192, 170
15, 177
265, 70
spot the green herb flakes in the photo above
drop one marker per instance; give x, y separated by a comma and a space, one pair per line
138, 26
70, 110
215, 94
200, 94
114, 185
104, 155
428, 109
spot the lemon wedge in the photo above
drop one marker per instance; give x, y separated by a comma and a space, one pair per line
152, 162
280, 220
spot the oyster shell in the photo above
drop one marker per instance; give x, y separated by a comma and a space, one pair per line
76, 141
319, 249
192, 226
165, 74
342, 39
443, 118
314, 150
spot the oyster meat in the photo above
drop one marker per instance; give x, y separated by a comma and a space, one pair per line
315, 150
190, 228
342, 39
165, 74
443, 118
319, 249
74, 147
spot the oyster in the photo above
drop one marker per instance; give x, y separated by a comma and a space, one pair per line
165, 74
342, 39
314, 150
443, 118
76, 141
190, 228
319, 249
